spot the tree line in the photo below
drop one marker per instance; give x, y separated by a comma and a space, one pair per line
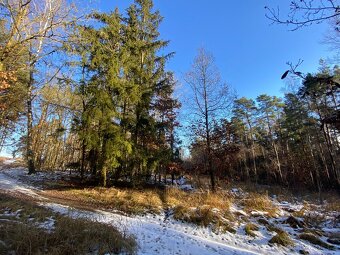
291, 141
90, 91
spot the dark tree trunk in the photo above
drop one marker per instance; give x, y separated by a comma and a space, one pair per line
29, 142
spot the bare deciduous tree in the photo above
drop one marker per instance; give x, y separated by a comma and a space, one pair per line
212, 98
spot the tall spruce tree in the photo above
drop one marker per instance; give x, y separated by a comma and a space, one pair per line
104, 137
145, 73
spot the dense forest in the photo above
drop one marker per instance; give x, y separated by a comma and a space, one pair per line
91, 92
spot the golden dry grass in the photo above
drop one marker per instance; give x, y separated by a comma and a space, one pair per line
201, 208
250, 228
282, 238
260, 202
302, 211
176, 197
126, 200
133, 201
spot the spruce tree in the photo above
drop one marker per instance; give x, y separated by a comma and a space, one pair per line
145, 73
102, 116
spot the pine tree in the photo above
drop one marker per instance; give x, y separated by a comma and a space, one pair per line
269, 111
245, 110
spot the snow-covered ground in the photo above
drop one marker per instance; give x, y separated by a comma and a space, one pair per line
158, 234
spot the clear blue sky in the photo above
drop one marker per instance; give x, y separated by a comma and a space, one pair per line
250, 52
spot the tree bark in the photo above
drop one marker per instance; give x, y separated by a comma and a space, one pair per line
30, 153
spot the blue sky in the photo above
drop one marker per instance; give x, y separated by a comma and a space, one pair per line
250, 52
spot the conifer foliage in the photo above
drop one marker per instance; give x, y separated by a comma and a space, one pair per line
129, 110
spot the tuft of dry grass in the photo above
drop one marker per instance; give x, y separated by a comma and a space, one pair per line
314, 219
273, 228
282, 238
203, 216
315, 240
176, 197
302, 211
250, 228
260, 202
201, 208
67, 236
223, 227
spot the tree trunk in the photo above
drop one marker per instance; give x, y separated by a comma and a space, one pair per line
317, 172
207, 129
30, 153
252, 148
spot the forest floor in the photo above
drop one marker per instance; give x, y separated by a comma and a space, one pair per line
173, 221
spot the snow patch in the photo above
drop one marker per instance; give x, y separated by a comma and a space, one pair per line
48, 224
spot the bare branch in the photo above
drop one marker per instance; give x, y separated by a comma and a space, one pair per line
304, 13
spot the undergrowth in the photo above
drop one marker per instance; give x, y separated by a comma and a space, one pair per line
315, 240
260, 202
22, 231
250, 228
282, 238
126, 200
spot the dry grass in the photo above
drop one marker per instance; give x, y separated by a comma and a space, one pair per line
302, 211
2, 159
273, 228
333, 206
314, 220
22, 234
69, 237
18, 163
203, 216
315, 240
260, 202
176, 197
223, 227
250, 228
282, 238
126, 200
201, 208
